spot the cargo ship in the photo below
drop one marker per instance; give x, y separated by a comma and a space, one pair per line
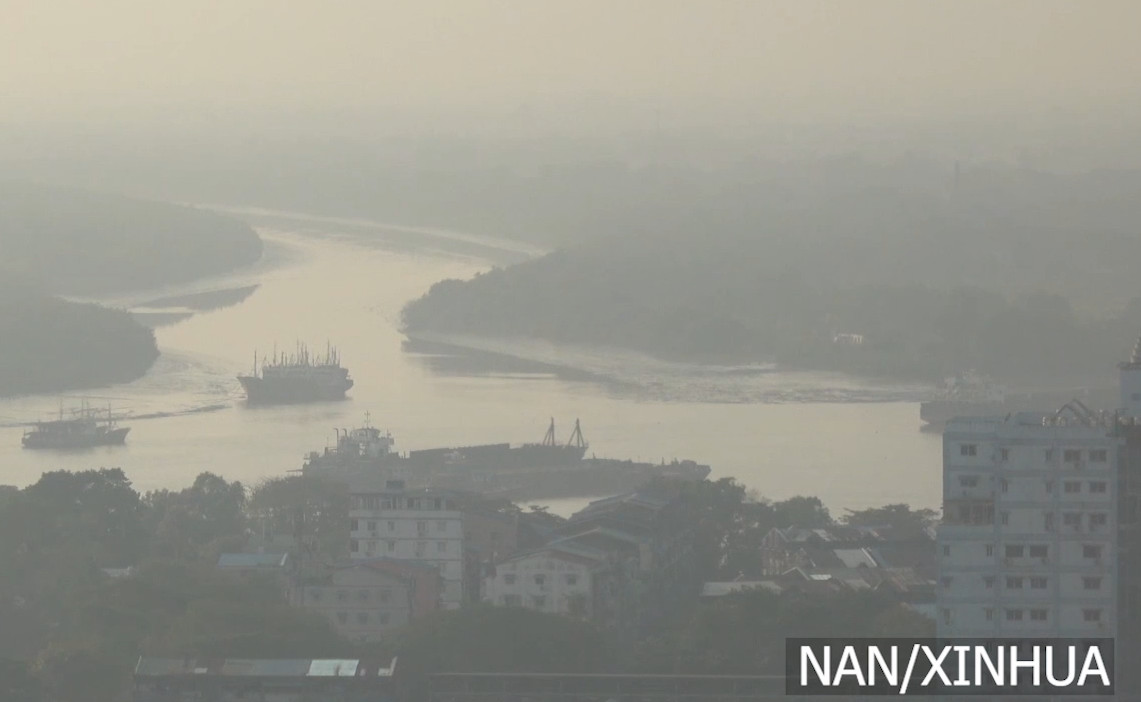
87, 428
296, 378
548, 469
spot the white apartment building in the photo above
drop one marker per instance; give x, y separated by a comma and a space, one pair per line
421, 525
555, 580
1028, 542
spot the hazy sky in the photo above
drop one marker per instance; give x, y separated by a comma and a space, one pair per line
126, 60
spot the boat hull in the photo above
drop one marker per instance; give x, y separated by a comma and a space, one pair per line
299, 390
585, 478
110, 437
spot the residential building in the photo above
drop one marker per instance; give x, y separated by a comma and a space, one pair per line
559, 579
1129, 524
421, 525
366, 600
1029, 534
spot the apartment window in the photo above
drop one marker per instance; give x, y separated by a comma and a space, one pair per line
362, 618
968, 450
1048, 521
343, 617
1072, 519
1037, 615
1004, 455
1039, 551
572, 579
372, 526
1006, 518
391, 526
946, 551
989, 612
539, 601
383, 617
391, 546
354, 546
1004, 484
1091, 551
990, 550
1071, 455
441, 546
439, 504
385, 594
353, 526
1090, 583
421, 528
421, 547
945, 581
1073, 486
441, 525
1049, 455
1098, 456
509, 579
968, 481
1037, 583
512, 600
1097, 486
540, 580
1013, 583
342, 595
946, 616
988, 582
1049, 487
1014, 551
1091, 615
1014, 615
362, 595
1098, 520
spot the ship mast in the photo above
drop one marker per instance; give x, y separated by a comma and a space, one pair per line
576, 438
549, 439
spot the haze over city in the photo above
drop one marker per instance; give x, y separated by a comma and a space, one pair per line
568, 350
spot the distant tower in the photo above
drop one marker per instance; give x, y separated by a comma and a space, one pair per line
1131, 383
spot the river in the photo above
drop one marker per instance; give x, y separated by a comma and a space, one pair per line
853, 443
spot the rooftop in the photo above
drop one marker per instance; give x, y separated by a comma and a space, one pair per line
267, 561
263, 668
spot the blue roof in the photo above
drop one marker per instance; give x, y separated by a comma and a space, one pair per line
253, 560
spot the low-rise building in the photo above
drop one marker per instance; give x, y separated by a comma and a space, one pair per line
366, 600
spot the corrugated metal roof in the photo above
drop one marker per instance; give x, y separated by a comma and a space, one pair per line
333, 668
720, 589
253, 560
855, 557
264, 668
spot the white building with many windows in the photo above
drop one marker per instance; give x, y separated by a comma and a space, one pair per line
422, 525
1028, 542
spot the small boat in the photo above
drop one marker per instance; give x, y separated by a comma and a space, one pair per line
86, 428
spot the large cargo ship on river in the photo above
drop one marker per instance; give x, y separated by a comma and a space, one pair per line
548, 469
297, 377
86, 428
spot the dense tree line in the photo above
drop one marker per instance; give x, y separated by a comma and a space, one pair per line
48, 344
672, 306
79, 242
71, 633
